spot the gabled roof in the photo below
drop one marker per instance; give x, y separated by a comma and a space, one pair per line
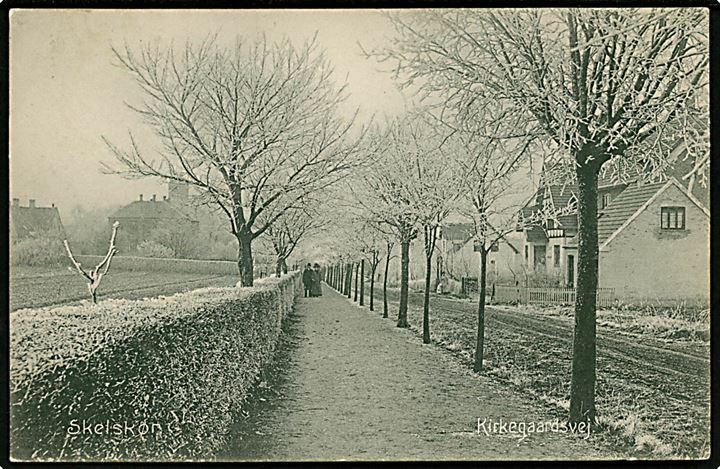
152, 210
28, 222
631, 203
624, 205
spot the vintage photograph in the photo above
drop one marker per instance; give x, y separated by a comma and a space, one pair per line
408, 234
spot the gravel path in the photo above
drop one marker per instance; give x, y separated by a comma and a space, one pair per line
353, 386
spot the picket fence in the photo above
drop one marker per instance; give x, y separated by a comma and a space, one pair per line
556, 296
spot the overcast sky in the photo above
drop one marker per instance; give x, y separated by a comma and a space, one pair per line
65, 91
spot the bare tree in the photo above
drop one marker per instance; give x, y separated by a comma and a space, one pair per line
95, 276
382, 190
489, 151
254, 127
434, 190
369, 236
289, 229
611, 89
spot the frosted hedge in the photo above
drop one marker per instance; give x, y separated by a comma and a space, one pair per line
154, 379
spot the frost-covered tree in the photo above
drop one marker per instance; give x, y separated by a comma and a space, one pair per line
409, 187
256, 127
612, 90
94, 276
291, 228
489, 151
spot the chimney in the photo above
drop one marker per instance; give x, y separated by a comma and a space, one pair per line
141, 198
32, 203
16, 202
154, 197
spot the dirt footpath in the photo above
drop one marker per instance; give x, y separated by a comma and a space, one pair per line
353, 386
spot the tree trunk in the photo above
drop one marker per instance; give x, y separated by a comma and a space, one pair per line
426, 301
582, 389
245, 259
385, 282
348, 286
373, 268
438, 270
284, 266
362, 282
430, 234
480, 342
357, 269
279, 267
404, 279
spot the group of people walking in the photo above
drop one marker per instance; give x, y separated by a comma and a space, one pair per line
311, 280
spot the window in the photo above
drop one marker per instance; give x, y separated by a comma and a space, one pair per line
672, 218
556, 256
526, 252
605, 201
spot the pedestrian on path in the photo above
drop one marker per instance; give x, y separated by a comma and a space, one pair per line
307, 279
316, 287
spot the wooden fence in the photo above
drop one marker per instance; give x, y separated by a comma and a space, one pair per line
556, 296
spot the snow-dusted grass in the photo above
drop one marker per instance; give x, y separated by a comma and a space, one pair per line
177, 367
676, 321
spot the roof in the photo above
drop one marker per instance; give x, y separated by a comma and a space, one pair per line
151, 209
623, 207
27, 222
458, 231
561, 197
639, 197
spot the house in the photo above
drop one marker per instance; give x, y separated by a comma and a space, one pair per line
461, 254
139, 218
653, 238
654, 242
34, 222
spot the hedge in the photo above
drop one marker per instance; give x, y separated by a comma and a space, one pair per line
158, 264
155, 380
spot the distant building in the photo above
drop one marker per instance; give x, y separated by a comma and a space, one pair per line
139, 218
461, 254
34, 222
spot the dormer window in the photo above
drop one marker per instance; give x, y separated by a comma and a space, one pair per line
672, 218
605, 201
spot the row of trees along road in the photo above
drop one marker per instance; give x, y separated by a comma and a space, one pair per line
611, 90
410, 186
430, 163
255, 127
